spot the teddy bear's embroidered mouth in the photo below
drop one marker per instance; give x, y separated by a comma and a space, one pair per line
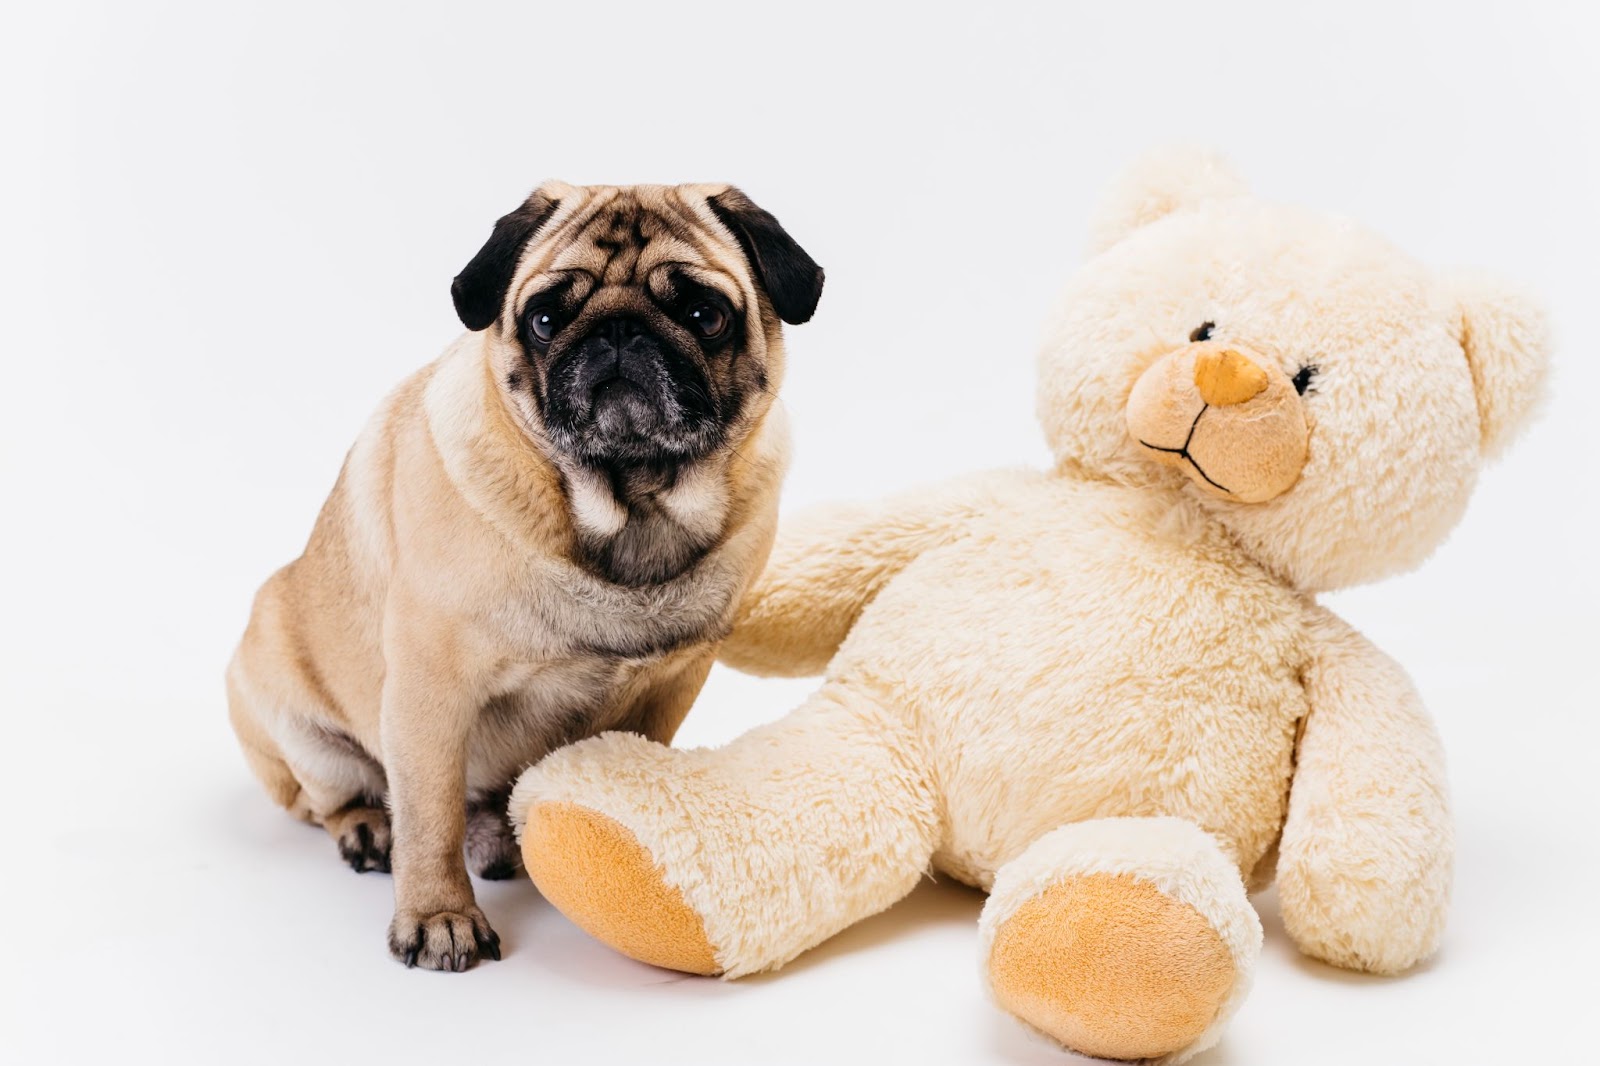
1182, 452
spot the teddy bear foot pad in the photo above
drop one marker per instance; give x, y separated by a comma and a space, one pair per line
596, 872
1111, 966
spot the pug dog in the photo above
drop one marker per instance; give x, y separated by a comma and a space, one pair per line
540, 536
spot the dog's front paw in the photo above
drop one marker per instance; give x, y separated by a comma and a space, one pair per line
445, 940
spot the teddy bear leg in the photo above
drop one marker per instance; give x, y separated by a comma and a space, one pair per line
1121, 938
733, 860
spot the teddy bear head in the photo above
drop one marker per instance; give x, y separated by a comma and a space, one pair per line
1325, 396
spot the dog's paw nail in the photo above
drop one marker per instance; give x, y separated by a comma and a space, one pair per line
488, 943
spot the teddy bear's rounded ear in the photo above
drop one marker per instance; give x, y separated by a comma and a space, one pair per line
1157, 185
1506, 336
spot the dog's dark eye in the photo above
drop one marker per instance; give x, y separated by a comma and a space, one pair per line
542, 325
706, 319
1203, 333
1302, 378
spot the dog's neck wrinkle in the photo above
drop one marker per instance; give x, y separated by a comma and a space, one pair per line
637, 526
634, 486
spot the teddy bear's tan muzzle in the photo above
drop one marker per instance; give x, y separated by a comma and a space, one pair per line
1228, 418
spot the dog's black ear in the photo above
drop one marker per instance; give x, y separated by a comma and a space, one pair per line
793, 279
481, 286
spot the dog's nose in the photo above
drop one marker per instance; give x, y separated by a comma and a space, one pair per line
1226, 377
619, 331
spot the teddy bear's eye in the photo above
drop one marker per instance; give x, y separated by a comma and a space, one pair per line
1303, 376
1203, 333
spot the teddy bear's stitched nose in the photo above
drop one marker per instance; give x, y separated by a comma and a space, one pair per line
1226, 377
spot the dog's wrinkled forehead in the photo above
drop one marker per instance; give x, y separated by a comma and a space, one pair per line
635, 238
632, 235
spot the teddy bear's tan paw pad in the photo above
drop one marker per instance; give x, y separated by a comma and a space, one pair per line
598, 874
1111, 966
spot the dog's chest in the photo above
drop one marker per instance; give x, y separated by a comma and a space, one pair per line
562, 614
539, 706
580, 655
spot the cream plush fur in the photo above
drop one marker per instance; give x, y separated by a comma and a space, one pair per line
1108, 683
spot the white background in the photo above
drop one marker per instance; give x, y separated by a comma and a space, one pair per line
229, 228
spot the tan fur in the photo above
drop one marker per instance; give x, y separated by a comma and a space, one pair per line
441, 631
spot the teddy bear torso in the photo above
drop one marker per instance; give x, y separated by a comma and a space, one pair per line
1087, 650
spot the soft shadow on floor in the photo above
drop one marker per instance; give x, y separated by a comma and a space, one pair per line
1017, 1045
542, 937
1014, 1043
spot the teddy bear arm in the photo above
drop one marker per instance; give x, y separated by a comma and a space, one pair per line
830, 563
1365, 860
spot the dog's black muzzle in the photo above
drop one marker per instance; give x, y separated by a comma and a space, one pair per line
623, 392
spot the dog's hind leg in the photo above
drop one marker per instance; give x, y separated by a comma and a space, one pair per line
263, 757
318, 774
344, 788
492, 851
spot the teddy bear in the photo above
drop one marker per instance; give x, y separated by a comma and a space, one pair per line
1105, 693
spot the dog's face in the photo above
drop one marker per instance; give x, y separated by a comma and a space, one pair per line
639, 326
